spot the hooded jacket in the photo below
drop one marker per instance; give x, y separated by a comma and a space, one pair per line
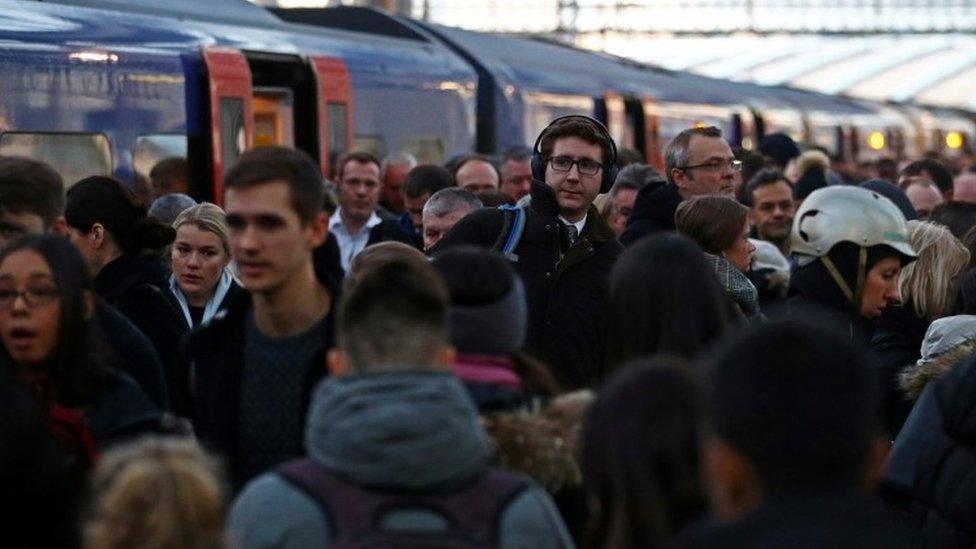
935, 455
566, 287
653, 212
405, 431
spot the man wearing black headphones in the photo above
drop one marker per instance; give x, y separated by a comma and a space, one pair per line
565, 251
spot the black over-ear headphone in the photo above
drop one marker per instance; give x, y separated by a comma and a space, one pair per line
609, 165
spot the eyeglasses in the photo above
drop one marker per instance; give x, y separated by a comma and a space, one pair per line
585, 165
33, 297
716, 166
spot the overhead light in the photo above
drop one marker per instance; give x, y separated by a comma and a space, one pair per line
954, 140
876, 141
89, 56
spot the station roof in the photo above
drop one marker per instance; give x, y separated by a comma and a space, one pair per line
932, 69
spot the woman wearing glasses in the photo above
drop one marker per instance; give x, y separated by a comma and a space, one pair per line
47, 342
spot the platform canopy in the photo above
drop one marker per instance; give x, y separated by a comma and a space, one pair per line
933, 69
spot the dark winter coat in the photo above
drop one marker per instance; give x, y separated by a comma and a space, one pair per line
327, 260
653, 212
897, 338
128, 350
567, 288
213, 359
137, 287
123, 412
813, 291
932, 464
813, 521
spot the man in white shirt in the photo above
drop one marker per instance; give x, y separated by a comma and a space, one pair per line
355, 223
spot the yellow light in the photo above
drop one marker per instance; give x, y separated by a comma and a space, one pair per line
954, 140
699, 125
876, 141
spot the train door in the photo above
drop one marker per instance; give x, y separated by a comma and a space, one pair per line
228, 120
334, 109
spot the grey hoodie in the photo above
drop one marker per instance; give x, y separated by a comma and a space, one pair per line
413, 430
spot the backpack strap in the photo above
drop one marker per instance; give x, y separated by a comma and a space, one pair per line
355, 512
513, 226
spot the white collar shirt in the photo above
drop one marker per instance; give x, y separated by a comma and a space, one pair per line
351, 244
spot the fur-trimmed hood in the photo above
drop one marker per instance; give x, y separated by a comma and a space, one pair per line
542, 444
947, 342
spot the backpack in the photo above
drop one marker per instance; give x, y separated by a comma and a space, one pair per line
355, 513
513, 225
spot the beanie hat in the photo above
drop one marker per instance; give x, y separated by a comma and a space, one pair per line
780, 147
811, 180
894, 194
488, 314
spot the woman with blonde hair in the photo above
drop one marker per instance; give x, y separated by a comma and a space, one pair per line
927, 289
201, 283
158, 493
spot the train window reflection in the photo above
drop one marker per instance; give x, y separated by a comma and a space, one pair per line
426, 149
232, 137
150, 149
74, 156
337, 128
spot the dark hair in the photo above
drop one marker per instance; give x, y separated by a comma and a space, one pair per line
518, 153
752, 163
714, 222
296, 168
360, 157
640, 456
676, 152
167, 172
74, 366
966, 293
426, 178
795, 401
636, 177
664, 299
958, 216
27, 185
394, 316
762, 178
627, 156
580, 127
104, 200
937, 170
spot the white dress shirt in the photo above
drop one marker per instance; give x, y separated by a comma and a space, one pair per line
351, 244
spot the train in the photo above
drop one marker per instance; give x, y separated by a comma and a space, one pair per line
109, 87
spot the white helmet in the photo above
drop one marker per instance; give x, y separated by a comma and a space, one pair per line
843, 213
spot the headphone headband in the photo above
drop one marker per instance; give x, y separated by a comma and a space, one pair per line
609, 165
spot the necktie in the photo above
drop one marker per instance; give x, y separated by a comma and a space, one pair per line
571, 234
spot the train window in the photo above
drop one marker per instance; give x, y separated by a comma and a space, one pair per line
426, 149
337, 128
150, 149
74, 156
274, 118
373, 144
232, 137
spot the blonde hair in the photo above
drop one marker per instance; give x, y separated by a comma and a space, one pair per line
207, 217
927, 283
157, 493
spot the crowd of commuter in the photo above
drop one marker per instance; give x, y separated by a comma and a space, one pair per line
766, 348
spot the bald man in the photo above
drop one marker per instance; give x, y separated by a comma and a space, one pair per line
924, 196
477, 175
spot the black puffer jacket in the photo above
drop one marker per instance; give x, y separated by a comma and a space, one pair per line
653, 212
895, 344
567, 289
